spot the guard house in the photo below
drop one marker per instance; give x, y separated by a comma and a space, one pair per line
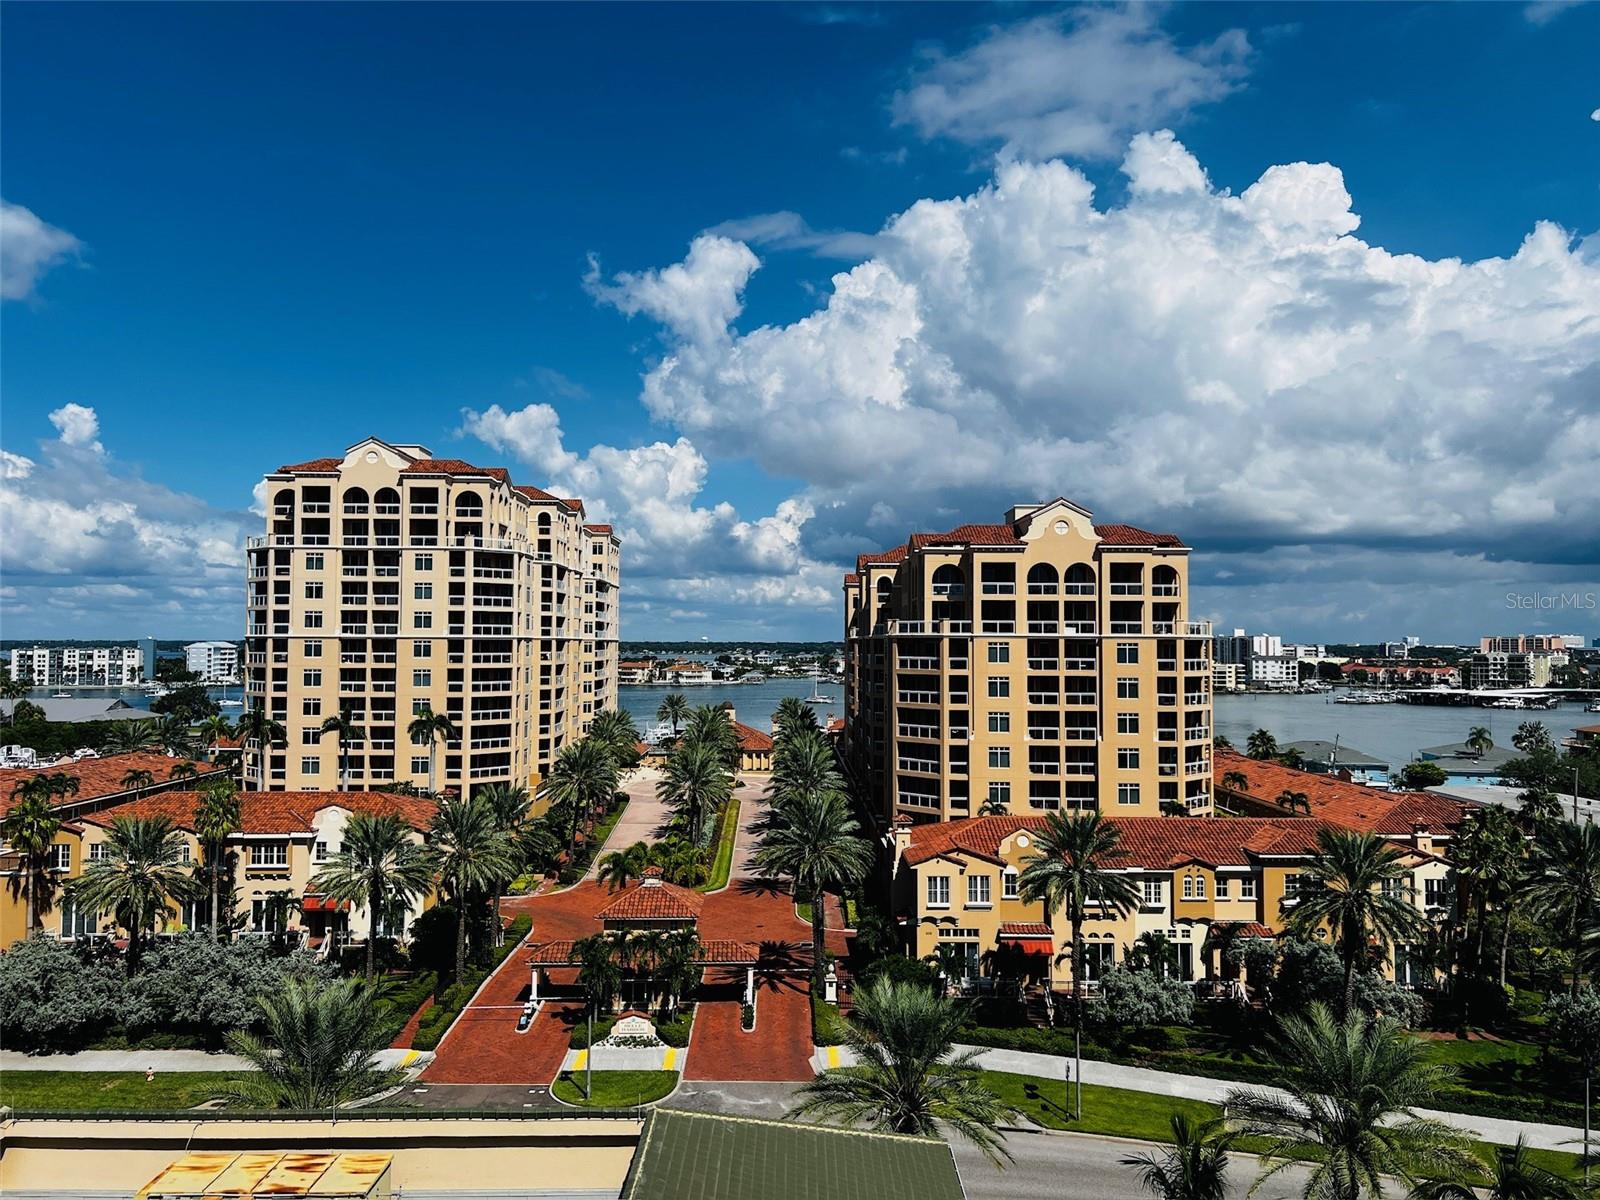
650, 906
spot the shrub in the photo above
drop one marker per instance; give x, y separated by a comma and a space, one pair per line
901, 969
1137, 999
208, 987
580, 1031
827, 1026
53, 996
676, 1031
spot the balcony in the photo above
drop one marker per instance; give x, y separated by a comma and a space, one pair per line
1127, 589
1077, 768
925, 698
1194, 664
927, 733
1077, 589
1196, 768
1078, 733
1043, 733
918, 663
999, 589
1041, 589
1043, 664
424, 510
1166, 664
1127, 627
918, 766
1044, 699
1194, 699
1077, 699
1043, 626
998, 627
1044, 768
1196, 733
953, 591
1163, 589
1080, 627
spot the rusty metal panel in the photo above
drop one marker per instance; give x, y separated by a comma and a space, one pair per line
244, 1175
353, 1175
295, 1174
191, 1175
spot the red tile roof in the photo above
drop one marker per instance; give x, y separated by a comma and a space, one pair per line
559, 953
273, 812
453, 466
319, 466
752, 741
100, 777
851, 579
1155, 843
534, 493
1024, 929
597, 529
653, 900
969, 535
573, 503
1132, 535
1338, 801
883, 556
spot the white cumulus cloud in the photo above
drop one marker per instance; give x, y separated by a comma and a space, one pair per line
29, 247
78, 425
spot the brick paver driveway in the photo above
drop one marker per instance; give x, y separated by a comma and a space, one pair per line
484, 1047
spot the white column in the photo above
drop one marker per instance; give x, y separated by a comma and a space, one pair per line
533, 992
749, 985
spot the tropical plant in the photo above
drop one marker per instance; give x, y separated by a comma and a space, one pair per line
792, 717
583, 777
598, 959
1236, 781
908, 1077
174, 735
30, 827
256, 726
348, 733
217, 818
1479, 741
529, 840
1563, 885
993, 806
1357, 885
184, 770
1152, 951
1423, 774
1073, 866
318, 1048
127, 737
614, 729
1511, 1174
1195, 1168
472, 855
378, 865
695, 784
1486, 853
674, 709
810, 838
142, 874
1532, 737
1262, 745
1346, 1107
709, 726
622, 867
137, 780
429, 728
214, 729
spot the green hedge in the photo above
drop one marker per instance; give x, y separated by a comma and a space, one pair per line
727, 831
580, 1031
827, 1026
448, 1004
576, 869
676, 1031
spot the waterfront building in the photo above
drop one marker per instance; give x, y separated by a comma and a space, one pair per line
1232, 648
957, 886
1528, 643
1266, 645
389, 582
1040, 663
213, 662
1274, 672
78, 666
1330, 758
1229, 676
1512, 669
147, 651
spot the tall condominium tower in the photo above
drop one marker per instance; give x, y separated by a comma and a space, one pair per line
389, 582
1040, 663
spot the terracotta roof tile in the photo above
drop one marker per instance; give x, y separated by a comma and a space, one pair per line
534, 493
318, 466
272, 812
653, 901
1132, 535
1024, 929
752, 740
969, 535
597, 529
573, 503
453, 466
100, 777
1338, 801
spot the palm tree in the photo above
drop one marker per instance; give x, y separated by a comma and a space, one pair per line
141, 875
184, 770
1358, 889
319, 1047
695, 785
1236, 781
1486, 843
1511, 1176
472, 855
1196, 1168
214, 729
810, 838
256, 726
709, 726
1346, 1106
429, 728
993, 806
908, 1077
599, 969
1563, 884
126, 737
1261, 744
509, 803
380, 866
674, 708
216, 819
583, 776
137, 780
792, 717
1073, 867
622, 867
30, 828
614, 729
1479, 740
174, 735
1292, 801
347, 731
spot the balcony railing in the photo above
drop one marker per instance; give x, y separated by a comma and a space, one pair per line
998, 627
1127, 627
1043, 626
918, 766
1043, 664
1077, 699
928, 698
1077, 589
918, 663
1127, 589
1077, 664
1163, 589
925, 732
998, 589
1043, 733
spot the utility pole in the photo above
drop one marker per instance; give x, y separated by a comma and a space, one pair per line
588, 1057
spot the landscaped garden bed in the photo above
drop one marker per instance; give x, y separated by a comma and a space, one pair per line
614, 1089
436, 1022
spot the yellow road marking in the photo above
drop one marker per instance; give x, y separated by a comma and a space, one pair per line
671, 1058
581, 1061
833, 1056
411, 1057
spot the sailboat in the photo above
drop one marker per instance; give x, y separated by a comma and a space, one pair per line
816, 696
225, 702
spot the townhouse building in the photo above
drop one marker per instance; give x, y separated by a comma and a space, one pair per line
389, 581
957, 893
1043, 662
78, 666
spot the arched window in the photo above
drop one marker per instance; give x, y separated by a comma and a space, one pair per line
1041, 580
355, 500
1078, 580
1164, 581
386, 500
948, 580
283, 505
469, 504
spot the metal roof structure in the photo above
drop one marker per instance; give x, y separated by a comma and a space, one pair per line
703, 1156
261, 1174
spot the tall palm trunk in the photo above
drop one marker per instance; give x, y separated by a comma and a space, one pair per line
433, 755
216, 896
461, 937
374, 903
819, 943
30, 883
1505, 937
1077, 1016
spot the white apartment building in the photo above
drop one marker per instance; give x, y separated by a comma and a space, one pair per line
1275, 671
389, 582
213, 661
78, 666
1229, 677
1266, 645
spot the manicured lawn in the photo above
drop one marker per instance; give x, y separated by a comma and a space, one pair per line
615, 1089
1462, 1054
723, 863
1121, 1113
106, 1091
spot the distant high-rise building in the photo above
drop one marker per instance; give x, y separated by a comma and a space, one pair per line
390, 581
147, 648
1526, 643
1231, 648
1040, 663
77, 666
214, 662
1268, 645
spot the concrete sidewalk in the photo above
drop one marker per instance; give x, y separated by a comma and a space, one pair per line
165, 1062
1215, 1091
626, 1058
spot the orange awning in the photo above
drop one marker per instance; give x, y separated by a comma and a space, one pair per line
323, 904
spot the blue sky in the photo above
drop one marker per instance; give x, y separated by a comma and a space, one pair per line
242, 235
